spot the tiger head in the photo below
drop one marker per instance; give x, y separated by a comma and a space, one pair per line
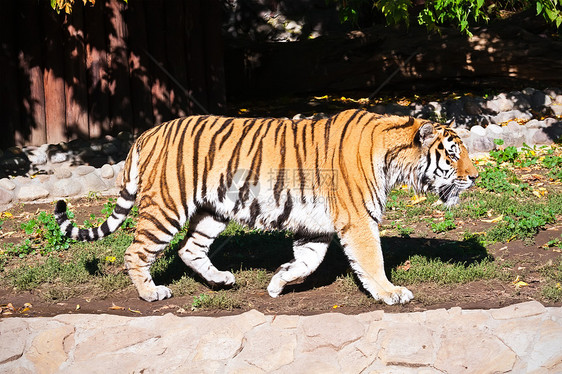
445, 166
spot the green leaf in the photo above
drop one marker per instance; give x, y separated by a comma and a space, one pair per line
539, 8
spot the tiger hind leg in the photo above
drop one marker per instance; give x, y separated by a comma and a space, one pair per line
138, 259
151, 237
309, 253
203, 230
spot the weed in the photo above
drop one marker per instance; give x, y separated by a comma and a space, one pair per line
184, 286
254, 279
447, 224
553, 289
522, 224
423, 269
496, 179
508, 154
46, 235
221, 300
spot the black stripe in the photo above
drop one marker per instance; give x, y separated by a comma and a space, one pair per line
121, 210
409, 123
126, 195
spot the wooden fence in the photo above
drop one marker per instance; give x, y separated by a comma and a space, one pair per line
106, 68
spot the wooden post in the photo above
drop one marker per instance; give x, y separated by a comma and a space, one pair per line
214, 57
141, 97
76, 89
195, 54
118, 63
175, 50
160, 87
53, 73
9, 93
30, 62
96, 68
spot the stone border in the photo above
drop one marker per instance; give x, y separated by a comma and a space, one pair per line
520, 338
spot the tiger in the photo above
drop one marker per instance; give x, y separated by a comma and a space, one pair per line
314, 178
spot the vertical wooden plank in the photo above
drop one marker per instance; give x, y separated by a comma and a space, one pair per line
118, 63
30, 64
76, 90
156, 28
96, 71
141, 96
214, 57
9, 93
175, 52
53, 72
195, 54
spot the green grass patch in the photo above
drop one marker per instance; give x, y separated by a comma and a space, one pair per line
552, 291
221, 300
422, 269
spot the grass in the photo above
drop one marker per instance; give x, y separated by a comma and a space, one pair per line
424, 242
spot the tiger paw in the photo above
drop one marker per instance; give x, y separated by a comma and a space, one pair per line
275, 286
155, 294
222, 278
400, 295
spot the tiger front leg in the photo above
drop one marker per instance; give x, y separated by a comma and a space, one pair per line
362, 246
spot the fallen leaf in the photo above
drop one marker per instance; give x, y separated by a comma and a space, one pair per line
134, 311
115, 307
335, 306
519, 283
407, 265
77, 306
493, 220
417, 199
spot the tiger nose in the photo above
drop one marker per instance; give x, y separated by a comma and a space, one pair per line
473, 177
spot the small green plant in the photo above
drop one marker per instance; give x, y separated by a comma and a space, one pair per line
46, 234
553, 289
404, 231
521, 224
509, 154
447, 224
495, 179
216, 300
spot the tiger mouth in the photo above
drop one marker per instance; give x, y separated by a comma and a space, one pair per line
449, 194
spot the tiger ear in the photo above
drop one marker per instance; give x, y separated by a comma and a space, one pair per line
426, 133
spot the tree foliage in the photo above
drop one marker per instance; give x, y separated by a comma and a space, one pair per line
459, 13
66, 5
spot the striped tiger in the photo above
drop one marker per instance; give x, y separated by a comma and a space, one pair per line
315, 178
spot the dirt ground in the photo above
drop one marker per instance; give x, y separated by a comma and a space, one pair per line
322, 292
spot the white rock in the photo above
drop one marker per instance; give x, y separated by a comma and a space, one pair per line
58, 157
85, 169
63, 173
478, 130
494, 132
91, 182
6, 196
64, 188
107, 171
7, 184
31, 192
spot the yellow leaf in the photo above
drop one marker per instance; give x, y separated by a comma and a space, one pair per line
115, 307
335, 306
493, 220
134, 311
417, 199
77, 306
520, 284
